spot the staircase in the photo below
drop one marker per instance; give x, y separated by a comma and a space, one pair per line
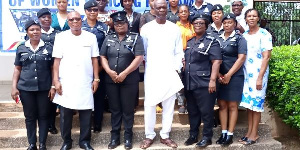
13, 131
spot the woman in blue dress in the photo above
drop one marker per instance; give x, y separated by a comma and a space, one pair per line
259, 44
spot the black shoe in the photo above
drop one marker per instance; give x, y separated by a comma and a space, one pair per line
191, 140
222, 138
52, 130
203, 143
113, 144
32, 147
42, 146
128, 144
86, 146
66, 146
97, 129
228, 140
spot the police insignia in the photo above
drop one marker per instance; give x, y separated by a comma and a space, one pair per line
228, 17
45, 52
201, 45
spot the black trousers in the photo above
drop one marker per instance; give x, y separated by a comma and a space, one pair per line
99, 99
122, 99
52, 115
36, 109
66, 117
200, 105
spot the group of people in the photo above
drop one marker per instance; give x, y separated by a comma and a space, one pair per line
197, 54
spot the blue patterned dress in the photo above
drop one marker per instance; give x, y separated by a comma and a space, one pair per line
256, 43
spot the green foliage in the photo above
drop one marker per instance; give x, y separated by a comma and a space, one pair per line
284, 84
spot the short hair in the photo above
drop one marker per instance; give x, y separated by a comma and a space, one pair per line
252, 9
121, 2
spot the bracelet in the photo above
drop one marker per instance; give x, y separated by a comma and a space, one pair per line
97, 80
52, 87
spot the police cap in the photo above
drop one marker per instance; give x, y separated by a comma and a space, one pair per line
216, 7
119, 16
90, 3
229, 16
31, 22
43, 11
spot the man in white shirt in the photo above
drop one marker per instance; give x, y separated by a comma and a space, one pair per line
75, 76
164, 55
237, 7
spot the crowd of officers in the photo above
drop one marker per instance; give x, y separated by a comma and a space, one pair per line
215, 47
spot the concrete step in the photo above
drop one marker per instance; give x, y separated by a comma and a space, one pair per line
17, 138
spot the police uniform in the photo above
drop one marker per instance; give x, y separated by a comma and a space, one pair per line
205, 8
100, 30
172, 17
34, 84
233, 46
120, 55
200, 103
211, 30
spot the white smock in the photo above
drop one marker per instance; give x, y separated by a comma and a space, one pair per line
75, 69
163, 56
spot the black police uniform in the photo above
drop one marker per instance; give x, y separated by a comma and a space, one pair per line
211, 30
200, 103
34, 85
172, 17
99, 30
194, 10
134, 26
122, 96
231, 48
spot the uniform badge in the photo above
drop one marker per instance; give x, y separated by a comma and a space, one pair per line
206, 10
129, 39
228, 17
45, 52
233, 39
201, 45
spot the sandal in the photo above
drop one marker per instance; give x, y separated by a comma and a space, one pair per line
249, 142
243, 139
168, 142
146, 143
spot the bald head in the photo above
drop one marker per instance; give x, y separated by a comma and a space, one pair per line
74, 22
160, 9
73, 14
160, 2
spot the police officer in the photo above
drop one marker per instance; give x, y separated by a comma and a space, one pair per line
48, 36
200, 7
202, 61
231, 77
216, 28
121, 54
173, 10
32, 82
99, 29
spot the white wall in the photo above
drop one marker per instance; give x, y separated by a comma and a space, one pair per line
6, 67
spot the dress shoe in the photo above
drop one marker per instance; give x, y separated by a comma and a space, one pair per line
66, 146
86, 146
228, 140
168, 142
42, 146
203, 143
113, 144
52, 130
222, 138
32, 147
191, 140
128, 144
97, 129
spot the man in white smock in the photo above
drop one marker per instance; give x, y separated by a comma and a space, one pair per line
164, 55
75, 77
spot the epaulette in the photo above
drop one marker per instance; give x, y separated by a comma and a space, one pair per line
210, 37
134, 33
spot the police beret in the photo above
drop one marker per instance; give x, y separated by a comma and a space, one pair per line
31, 22
119, 16
200, 16
90, 3
229, 16
216, 7
43, 11
243, 1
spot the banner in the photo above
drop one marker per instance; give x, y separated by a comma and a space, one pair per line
14, 14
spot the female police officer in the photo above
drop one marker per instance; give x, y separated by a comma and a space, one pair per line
32, 81
231, 77
121, 54
202, 62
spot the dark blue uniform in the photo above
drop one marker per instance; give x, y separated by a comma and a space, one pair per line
120, 55
213, 32
231, 48
172, 17
34, 84
100, 30
200, 103
205, 9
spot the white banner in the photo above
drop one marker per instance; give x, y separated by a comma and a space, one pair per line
14, 14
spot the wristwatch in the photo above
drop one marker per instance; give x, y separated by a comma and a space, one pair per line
52, 87
97, 80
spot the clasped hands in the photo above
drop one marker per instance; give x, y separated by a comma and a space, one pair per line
117, 78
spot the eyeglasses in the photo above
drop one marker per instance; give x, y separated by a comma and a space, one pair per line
237, 5
119, 23
74, 19
198, 24
92, 9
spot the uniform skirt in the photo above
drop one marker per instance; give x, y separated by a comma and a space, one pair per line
233, 90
